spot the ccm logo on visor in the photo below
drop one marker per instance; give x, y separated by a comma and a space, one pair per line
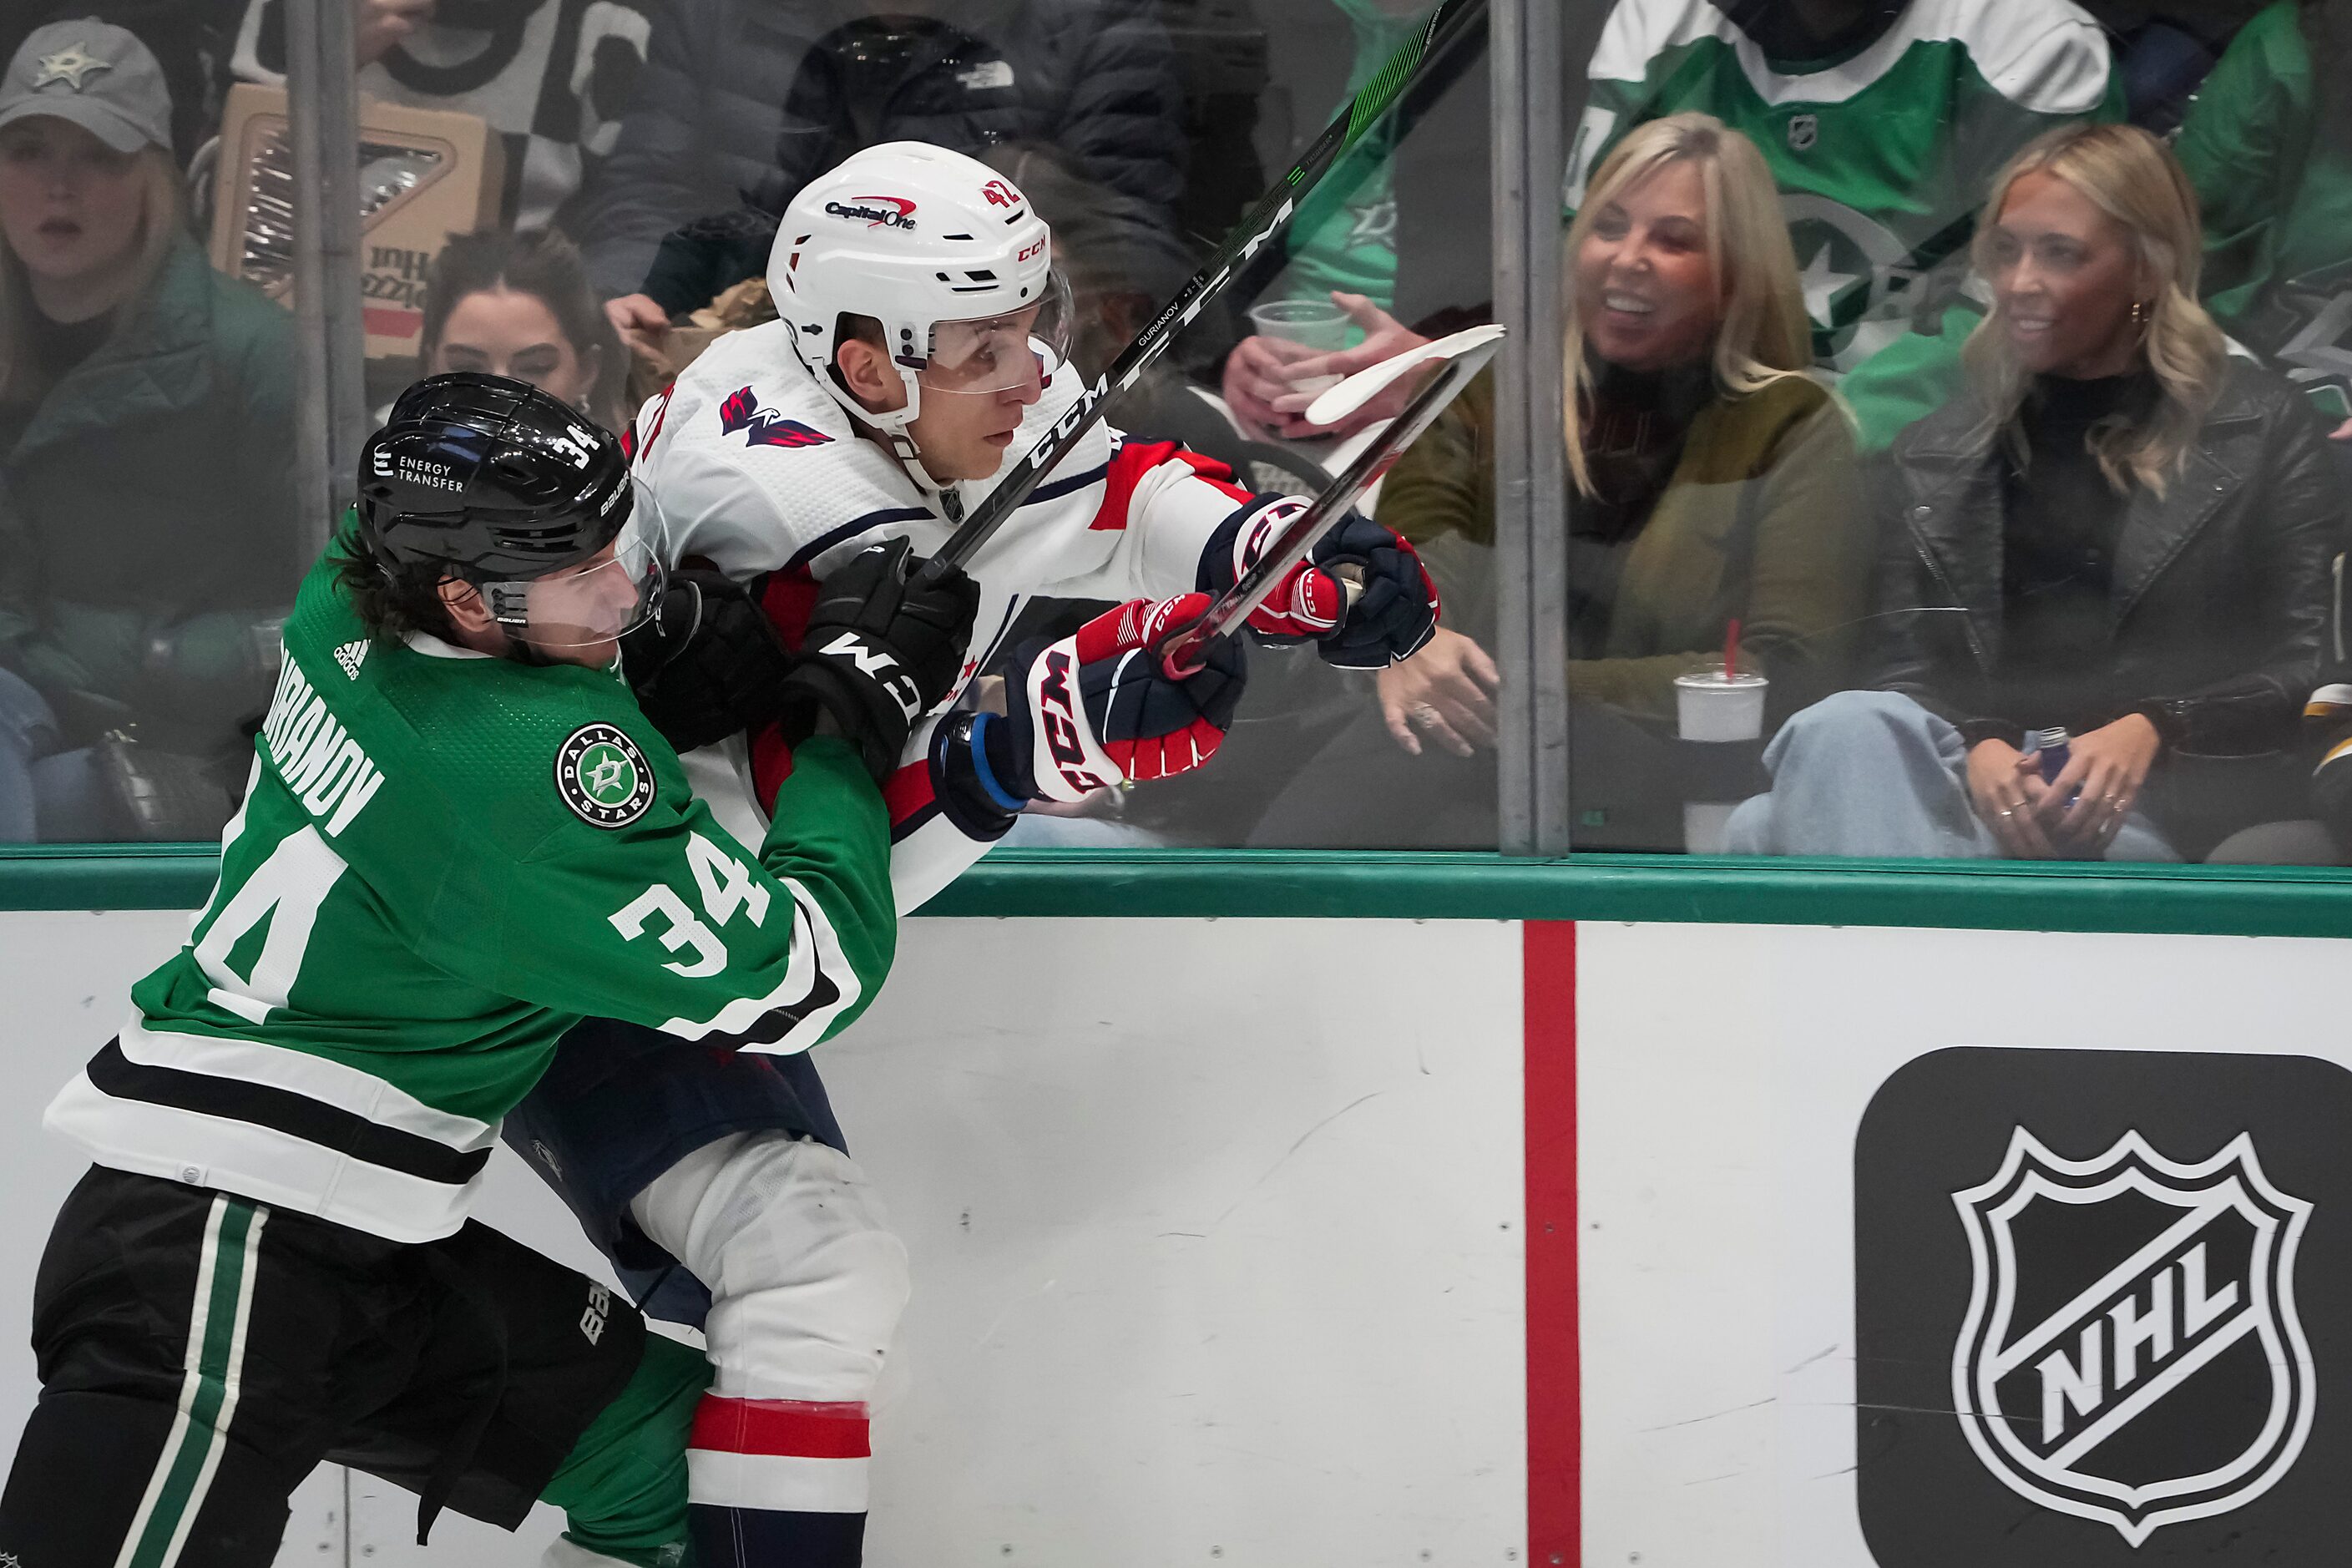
893, 212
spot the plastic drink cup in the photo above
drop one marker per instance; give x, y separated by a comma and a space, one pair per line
1316, 324
1712, 706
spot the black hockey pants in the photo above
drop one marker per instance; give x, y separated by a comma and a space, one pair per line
200, 1353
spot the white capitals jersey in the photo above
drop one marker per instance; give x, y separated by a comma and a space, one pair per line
754, 468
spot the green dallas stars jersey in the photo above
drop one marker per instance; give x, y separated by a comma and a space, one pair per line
443, 862
2277, 201
1883, 157
1345, 234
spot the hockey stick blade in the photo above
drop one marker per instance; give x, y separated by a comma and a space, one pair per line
1179, 652
1265, 223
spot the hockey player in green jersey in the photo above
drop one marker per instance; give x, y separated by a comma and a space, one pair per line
2268, 149
459, 837
1883, 121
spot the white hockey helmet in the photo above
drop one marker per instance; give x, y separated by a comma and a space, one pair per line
942, 250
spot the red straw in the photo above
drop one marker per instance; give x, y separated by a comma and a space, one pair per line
1731, 649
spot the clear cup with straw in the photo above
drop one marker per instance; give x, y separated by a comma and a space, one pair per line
1718, 703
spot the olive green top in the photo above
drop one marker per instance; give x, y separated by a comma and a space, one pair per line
1761, 519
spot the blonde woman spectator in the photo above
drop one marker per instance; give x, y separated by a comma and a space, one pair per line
2119, 530
1714, 481
147, 545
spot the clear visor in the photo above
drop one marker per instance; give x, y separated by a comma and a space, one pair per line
998, 354
587, 607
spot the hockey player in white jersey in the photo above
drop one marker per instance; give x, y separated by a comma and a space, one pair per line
922, 324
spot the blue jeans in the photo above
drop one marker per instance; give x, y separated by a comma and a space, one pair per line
1874, 774
45, 794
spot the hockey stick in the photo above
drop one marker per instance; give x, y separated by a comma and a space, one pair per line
1266, 221
1463, 355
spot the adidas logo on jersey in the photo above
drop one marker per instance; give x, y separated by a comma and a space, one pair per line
351, 655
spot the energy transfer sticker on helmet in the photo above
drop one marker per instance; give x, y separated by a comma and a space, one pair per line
603, 776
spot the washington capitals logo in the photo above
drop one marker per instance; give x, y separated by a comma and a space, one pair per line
764, 426
879, 212
2131, 1352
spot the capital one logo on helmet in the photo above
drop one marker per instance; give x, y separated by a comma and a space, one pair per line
877, 211
2173, 1383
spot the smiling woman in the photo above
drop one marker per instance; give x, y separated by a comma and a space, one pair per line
1715, 483
2119, 534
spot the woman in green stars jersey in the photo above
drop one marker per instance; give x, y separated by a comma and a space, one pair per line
459, 837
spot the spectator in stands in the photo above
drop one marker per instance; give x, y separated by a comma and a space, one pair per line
190, 38
743, 102
519, 305
1715, 480
1342, 246
148, 544
2118, 529
2268, 145
1881, 120
551, 77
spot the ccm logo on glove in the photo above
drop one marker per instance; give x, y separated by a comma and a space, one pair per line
878, 666
1059, 722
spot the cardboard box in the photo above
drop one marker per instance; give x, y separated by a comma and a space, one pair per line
424, 175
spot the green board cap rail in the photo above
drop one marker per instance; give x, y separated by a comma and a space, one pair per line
2228, 901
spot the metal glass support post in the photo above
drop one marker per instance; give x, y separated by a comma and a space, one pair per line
322, 112
1529, 60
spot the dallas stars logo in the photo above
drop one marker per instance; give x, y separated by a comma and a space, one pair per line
70, 66
603, 776
1855, 275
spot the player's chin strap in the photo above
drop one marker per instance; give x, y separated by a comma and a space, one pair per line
893, 428
491, 590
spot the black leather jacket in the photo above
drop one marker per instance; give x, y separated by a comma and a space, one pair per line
2221, 587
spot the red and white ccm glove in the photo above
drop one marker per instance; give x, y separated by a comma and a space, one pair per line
1391, 617
1091, 709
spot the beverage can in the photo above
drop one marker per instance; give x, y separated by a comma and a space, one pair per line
2051, 750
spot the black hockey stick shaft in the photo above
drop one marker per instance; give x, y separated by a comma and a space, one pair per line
1266, 222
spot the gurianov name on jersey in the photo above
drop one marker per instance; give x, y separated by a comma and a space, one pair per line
322, 767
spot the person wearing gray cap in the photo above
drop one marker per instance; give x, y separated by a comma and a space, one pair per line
148, 544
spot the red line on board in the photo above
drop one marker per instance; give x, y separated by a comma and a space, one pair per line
1555, 1427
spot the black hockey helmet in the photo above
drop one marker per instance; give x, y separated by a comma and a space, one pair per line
491, 477
503, 486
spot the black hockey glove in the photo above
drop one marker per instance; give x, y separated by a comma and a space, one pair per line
879, 653
709, 664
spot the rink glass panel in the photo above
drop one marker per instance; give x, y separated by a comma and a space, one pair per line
1142, 135
148, 454
1888, 295
1246, 83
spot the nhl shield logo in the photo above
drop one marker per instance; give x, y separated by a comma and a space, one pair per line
2131, 1352
1804, 131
